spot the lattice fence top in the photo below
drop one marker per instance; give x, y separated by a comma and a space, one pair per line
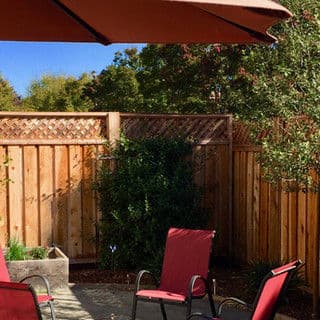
54, 128
203, 129
240, 134
92, 128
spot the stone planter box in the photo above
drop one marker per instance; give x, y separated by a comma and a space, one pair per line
55, 268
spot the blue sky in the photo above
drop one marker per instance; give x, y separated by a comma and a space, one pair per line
21, 62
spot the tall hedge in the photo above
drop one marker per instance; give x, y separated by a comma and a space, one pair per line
150, 190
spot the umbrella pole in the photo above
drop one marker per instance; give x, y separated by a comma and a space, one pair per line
315, 297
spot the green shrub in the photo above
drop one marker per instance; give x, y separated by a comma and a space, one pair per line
151, 190
258, 269
16, 251
38, 253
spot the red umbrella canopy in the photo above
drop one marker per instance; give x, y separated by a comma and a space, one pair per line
140, 21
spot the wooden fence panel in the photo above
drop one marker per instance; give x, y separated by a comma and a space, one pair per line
279, 226
216, 194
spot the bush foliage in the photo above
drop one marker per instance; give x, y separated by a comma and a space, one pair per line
18, 251
151, 190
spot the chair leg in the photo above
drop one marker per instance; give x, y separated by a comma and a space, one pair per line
163, 311
53, 314
188, 313
134, 307
212, 307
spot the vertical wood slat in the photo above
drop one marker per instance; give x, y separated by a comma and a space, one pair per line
256, 207
301, 224
15, 190
61, 193
263, 221
3, 198
31, 209
226, 206
274, 230
293, 225
236, 205
88, 202
243, 206
249, 207
284, 247
46, 194
74, 202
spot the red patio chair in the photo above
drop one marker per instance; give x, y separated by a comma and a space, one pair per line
18, 301
184, 274
43, 299
265, 304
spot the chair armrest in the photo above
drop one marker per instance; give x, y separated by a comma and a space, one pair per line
139, 277
193, 281
207, 291
44, 280
232, 299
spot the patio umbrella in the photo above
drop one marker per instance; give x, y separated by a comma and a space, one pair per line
140, 21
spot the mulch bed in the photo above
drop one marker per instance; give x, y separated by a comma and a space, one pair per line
229, 283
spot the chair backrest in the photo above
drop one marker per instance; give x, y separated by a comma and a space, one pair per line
187, 253
4, 274
272, 288
18, 302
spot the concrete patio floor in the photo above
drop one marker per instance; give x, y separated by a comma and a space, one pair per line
109, 302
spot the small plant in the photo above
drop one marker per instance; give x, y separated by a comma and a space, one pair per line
113, 249
16, 251
38, 253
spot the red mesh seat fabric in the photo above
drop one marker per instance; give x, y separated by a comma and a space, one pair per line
187, 253
41, 299
184, 270
4, 274
270, 291
159, 294
18, 302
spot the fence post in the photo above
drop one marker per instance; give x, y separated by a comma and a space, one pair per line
113, 132
113, 127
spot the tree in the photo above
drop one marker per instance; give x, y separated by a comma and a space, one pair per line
9, 101
115, 89
58, 93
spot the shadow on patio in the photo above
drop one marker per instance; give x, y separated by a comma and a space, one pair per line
110, 302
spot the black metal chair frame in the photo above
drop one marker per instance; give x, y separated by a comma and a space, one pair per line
47, 286
162, 302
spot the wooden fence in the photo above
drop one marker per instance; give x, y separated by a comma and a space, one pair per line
53, 159
268, 223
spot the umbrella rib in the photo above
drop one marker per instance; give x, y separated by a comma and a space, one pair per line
256, 34
99, 37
